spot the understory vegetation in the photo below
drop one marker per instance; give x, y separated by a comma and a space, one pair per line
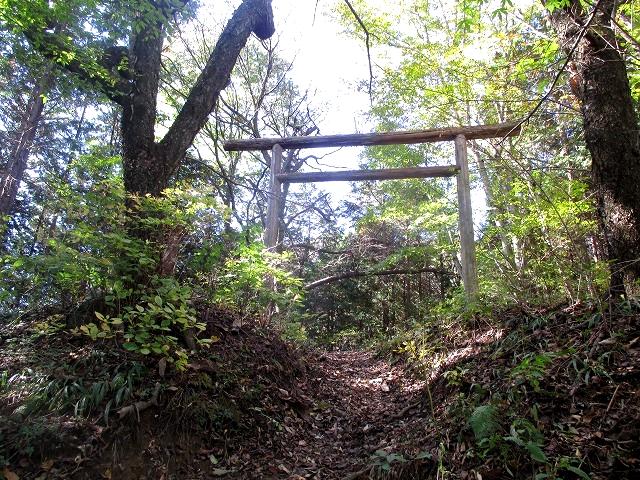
147, 331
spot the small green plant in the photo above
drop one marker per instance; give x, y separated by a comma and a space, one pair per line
242, 285
532, 369
149, 325
384, 460
563, 464
455, 377
484, 421
524, 434
588, 368
570, 464
4, 380
295, 331
49, 326
629, 306
72, 395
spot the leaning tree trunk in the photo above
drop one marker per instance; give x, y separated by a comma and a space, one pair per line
130, 77
599, 79
11, 175
149, 165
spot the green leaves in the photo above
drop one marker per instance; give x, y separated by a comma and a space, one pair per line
524, 434
553, 5
532, 369
241, 283
536, 452
385, 460
484, 421
579, 472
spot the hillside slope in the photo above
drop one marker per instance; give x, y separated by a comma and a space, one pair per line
537, 394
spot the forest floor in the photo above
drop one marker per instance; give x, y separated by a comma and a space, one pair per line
524, 394
359, 406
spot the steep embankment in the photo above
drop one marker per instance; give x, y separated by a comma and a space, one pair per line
537, 394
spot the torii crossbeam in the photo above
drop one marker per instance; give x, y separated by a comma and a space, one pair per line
459, 135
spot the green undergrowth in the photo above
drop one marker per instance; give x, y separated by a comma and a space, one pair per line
530, 393
67, 399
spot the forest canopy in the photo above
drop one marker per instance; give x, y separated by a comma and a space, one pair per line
114, 116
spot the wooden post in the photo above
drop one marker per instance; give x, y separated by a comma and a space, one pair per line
273, 222
465, 221
275, 197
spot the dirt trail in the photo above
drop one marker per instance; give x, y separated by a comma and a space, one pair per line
357, 404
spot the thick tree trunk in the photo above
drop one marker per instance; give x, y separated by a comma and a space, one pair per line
148, 166
11, 175
611, 132
144, 169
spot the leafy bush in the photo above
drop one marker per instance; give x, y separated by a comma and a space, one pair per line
241, 282
150, 325
106, 252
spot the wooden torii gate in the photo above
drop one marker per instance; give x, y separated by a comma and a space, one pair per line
459, 135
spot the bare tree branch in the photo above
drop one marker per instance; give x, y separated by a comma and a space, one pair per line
343, 276
367, 39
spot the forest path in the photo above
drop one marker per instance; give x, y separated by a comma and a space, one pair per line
358, 404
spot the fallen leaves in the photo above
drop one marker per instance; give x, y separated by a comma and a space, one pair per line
9, 475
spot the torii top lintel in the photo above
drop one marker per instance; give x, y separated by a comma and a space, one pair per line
369, 139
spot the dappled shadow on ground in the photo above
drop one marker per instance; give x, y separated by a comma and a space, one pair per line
357, 399
550, 393
558, 390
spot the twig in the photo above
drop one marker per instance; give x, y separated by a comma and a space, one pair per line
343, 276
404, 411
613, 397
367, 39
315, 11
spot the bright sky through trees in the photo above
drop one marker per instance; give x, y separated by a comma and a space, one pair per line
332, 66
326, 62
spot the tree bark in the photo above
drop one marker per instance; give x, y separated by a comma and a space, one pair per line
131, 78
148, 166
610, 129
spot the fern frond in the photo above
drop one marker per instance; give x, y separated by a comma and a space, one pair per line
484, 421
